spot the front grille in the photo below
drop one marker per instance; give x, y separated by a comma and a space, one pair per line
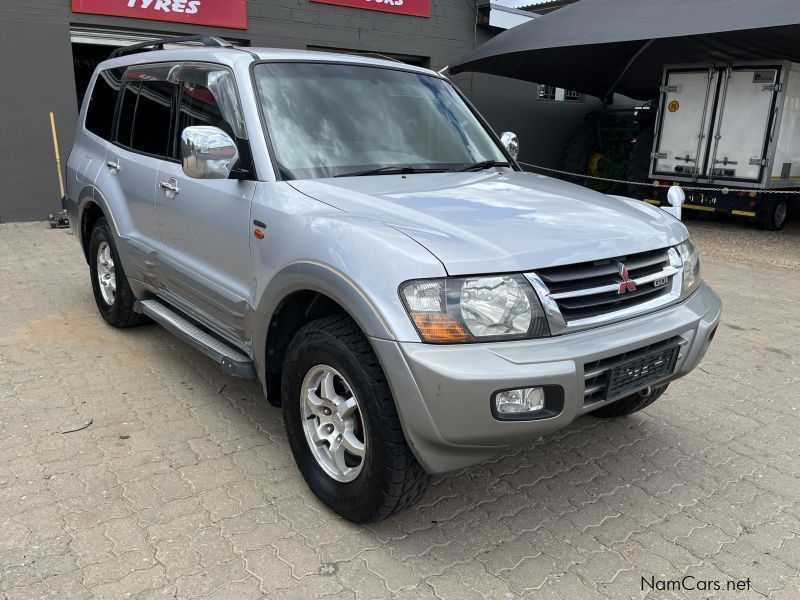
591, 289
662, 355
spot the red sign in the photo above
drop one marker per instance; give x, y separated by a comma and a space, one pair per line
418, 8
218, 13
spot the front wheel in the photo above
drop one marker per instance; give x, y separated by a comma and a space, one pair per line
342, 424
630, 404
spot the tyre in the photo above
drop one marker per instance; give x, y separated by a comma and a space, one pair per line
342, 424
581, 152
639, 162
777, 215
112, 293
630, 404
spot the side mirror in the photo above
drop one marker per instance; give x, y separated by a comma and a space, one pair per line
208, 153
511, 142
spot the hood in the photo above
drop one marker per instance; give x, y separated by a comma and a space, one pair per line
501, 221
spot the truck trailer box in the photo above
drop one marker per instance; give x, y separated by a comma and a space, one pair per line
734, 125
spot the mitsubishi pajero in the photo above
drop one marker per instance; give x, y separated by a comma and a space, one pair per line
350, 232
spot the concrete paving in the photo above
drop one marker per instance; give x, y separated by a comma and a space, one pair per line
183, 485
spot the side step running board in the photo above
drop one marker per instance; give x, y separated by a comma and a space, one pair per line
232, 360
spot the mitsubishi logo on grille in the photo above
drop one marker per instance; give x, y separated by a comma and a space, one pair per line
627, 284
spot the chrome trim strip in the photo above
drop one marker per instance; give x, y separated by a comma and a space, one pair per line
613, 287
555, 319
588, 391
601, 289
594, 373
629, 312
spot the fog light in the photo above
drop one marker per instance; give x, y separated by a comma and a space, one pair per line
519, 401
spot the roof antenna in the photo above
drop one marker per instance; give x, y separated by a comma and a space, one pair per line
441, 71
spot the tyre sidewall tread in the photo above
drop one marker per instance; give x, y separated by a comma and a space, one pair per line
639, 161
121, 313
772, 224
575, 158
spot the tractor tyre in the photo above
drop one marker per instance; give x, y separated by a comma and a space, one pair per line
579, 151
639, 163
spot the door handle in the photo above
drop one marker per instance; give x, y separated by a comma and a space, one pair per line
114, 166
171, 187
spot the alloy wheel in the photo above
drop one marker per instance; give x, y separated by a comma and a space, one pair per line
106, 275
333, 423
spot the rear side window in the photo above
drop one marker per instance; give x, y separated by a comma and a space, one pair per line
152, 123
147, 110
103, 102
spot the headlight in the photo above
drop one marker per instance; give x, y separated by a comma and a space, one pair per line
691, 268
474, 309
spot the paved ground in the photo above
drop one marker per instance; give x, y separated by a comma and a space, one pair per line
183, 485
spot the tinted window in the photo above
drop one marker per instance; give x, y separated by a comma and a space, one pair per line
103, 102
153, 119
126, 113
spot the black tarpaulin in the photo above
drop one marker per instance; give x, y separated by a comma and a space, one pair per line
603, 46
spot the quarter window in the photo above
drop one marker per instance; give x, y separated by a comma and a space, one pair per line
208, 97
199, 107
103, 103
127, 111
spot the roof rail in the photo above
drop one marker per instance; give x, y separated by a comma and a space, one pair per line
204, 40
373, 54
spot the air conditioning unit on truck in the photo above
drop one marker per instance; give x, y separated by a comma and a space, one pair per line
734, 131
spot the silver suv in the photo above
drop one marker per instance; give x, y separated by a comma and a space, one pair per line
350, 232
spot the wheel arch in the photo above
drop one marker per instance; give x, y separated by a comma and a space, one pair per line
301, 293
91, 207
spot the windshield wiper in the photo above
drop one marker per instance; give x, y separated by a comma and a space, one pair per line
389, 170
484, 164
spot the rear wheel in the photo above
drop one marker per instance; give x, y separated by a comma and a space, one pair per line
777, 215
112, 293
631, 404
342, 423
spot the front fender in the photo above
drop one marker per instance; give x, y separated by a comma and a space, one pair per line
357, 262
325, 279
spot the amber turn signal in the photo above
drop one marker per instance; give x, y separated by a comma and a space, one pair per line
438, 328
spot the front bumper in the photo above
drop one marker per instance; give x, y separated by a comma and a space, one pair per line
444, 392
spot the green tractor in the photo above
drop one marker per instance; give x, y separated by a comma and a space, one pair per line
612, 144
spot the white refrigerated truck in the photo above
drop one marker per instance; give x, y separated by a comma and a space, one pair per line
733, 130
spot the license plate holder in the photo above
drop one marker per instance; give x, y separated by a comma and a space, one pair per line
636, 373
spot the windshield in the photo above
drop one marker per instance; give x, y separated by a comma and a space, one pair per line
327, 120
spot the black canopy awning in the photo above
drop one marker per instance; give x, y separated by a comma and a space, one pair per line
604, 46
